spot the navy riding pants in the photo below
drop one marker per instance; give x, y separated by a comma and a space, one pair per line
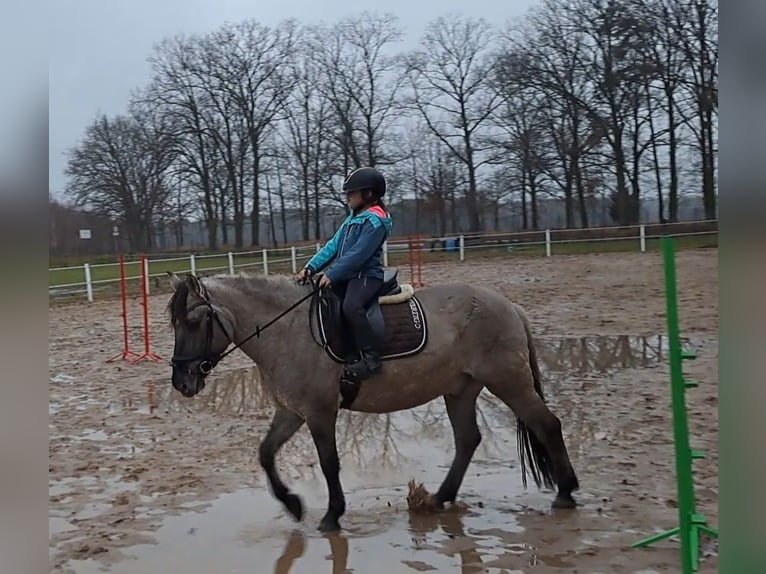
357, 294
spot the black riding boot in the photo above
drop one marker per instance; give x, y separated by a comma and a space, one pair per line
369, 362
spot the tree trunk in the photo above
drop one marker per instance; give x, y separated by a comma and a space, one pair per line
442, 207
239, 205
655, 158
453, 212
211, 222
472, 199
270, 206
306, 215
533, 201
708, 166
636, 169
255, 214
224, 221
568, 205
672, 156
623, 197
524, 220
580, 194
282, 208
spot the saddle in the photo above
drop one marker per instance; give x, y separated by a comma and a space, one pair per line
396, 317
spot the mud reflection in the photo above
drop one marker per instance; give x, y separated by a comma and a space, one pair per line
238, 392
443, 534
451, 524
296, 547
561, 358
235, 392
377, 439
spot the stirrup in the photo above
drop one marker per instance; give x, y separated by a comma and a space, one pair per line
349, 389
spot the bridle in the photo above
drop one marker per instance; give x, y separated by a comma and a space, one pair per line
208, 360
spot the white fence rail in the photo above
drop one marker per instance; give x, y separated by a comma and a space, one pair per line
89, 279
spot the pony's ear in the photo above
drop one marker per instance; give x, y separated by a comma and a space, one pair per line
196, 286
175, 280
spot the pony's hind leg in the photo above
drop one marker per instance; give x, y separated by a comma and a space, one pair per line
461, 409
545, 451
283, 426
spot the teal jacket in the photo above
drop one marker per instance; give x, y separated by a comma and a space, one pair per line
356, 248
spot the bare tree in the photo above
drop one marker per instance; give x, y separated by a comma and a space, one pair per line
439, 179
229, 132
663, 95
120, 170
255, 72
617, 66
523, 120
544, 63
696, 23
362, 80
449, 79
177, 91
305, 135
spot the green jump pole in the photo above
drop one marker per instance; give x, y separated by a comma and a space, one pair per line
690, 524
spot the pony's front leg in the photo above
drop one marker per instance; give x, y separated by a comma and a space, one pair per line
283, 426
323, 432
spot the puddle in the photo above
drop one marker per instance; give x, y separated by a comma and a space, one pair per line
246, 532
561, 358
235, 392
93, 434
57, 525
62, 378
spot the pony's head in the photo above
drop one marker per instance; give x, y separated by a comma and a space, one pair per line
202, 330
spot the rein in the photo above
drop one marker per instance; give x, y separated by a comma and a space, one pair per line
209, 361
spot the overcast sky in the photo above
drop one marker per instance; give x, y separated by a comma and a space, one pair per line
98, 48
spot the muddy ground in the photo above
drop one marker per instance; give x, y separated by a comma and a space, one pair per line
145, 481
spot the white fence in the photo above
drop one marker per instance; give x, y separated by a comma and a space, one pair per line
88, 279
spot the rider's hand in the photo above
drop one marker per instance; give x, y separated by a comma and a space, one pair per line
324, 281
303, 275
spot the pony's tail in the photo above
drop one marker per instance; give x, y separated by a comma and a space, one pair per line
532, 453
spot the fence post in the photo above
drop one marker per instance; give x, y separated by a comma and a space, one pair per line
642, 234
547, 242
462, 247
231, 263
265, 261
193, 264
385, 254
88, 283
293, 259
145, 273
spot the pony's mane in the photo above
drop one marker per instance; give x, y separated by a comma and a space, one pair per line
278, 289
252, 282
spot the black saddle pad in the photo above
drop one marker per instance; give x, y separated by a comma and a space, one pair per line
406, 331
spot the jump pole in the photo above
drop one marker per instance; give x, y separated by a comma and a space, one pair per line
126, 354
415, 245
147, 355
690, 523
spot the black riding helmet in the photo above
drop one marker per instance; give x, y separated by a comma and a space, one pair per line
366, 179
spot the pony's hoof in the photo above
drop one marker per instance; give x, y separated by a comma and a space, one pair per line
564, 501
435, 503
294, 506
329, 524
